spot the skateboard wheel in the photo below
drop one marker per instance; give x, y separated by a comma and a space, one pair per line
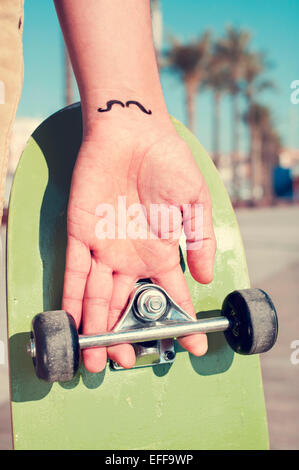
253, 321
56, 346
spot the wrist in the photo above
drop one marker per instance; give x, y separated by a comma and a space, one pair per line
122, 107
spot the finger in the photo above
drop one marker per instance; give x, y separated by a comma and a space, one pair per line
201, 241
95, 312
123, 285
76, 271
175, 284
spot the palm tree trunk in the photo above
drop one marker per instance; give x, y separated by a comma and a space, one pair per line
256, 164
267, 172
269, 160
216, 128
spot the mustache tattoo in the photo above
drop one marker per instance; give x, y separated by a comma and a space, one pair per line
139, 106
110, 103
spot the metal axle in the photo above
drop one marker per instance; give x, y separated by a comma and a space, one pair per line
148, 333
157, 332
151, 315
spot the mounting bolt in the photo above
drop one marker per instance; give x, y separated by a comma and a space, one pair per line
151, 304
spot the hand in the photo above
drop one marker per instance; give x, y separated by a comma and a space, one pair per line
142, 160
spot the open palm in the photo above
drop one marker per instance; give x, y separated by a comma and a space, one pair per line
113, 240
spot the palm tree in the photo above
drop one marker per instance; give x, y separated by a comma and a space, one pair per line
218, 80
255, 65
232, 51
256, 115
265, 144
271, 147
190, 62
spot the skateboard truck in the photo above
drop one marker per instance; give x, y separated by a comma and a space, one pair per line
150, 322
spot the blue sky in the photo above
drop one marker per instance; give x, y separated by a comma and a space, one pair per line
274, 28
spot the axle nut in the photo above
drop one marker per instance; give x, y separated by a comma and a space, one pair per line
151, 304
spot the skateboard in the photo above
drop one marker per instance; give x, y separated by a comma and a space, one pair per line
171, 400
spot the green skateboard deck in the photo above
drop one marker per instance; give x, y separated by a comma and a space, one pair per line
212, 402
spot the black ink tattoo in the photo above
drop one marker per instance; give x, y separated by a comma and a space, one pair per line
110, 103
139, 106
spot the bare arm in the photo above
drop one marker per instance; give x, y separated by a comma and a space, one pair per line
111, 47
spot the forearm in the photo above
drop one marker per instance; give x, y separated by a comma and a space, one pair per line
111, 48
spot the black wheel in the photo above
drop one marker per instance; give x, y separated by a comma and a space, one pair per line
57, 352
253, 321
